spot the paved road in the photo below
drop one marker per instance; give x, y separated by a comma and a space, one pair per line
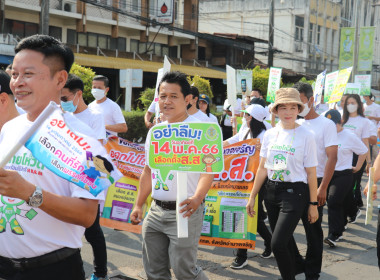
354, 257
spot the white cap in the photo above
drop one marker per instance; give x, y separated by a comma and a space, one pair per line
256, 111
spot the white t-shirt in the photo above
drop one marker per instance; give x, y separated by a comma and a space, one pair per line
324, 132
94, 120
349, 143
111, 112
372, 110
372, 128
19, 109
294, 148
201, 116
42, 233
170, 194
359, 125
152, 107
213, 118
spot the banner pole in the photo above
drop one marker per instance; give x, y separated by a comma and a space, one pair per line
182, 223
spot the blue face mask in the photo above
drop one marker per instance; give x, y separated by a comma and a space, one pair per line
69, 106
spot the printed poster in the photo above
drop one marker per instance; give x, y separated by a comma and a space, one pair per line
365, 82
352, 88
274, 83
318, 88
243, 81
186, 147
165, 11
71, 155
129, 158
367, 35
330, 84
340, 85
347, 47
226, 222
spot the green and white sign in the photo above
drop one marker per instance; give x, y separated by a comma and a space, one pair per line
352, 88
366, 48
365, 82
274, 83
330, 84
347, 47
186, 147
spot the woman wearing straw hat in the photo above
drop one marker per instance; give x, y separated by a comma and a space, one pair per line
289, 160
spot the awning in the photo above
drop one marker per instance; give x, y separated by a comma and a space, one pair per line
146, 66
6, 59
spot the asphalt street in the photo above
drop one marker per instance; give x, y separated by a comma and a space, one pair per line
354, 257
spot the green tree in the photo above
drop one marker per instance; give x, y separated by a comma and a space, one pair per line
86, 74
146, 97
202, 84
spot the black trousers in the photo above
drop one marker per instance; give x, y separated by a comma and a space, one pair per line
94, 235
357, 181
227, 132
69, 268
285, 203
338, 190
261, 226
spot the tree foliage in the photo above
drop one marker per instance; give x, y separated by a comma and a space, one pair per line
202, 84
146, 97
86, 74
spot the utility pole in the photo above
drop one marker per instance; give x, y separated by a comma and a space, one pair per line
2, 15
271, 33
44, 17
358, 10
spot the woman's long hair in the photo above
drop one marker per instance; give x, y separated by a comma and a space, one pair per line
256, 127
208, 110
346, 114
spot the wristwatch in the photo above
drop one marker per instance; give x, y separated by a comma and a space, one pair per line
313, 203
36, 199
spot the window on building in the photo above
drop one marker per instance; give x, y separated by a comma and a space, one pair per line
299, 28
142, 47
135, 6
20, 29
92, 40
311, 32
103, 41
173, 51
152, 8
193, 12
165, 51
123, 4
55, 32
134, 46
318, 34
157, 49
71, 37
82, 39
176, 6
201, 53
105, 2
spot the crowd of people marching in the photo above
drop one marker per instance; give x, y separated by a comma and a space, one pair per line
307, 161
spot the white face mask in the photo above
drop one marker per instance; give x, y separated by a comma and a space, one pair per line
305, 111
352, 108
98, 93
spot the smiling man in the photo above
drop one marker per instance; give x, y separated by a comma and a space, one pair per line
41, 234
161, 247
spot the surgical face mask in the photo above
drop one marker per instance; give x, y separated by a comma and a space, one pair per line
305, 111
352, 108
69, 106
98, 93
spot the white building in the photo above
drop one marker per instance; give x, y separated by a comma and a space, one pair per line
306, 32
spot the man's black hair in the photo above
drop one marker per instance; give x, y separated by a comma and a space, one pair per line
195, 93
74, 83
105, 80
304, 88
179, 79
4, 82
258, 90
50, 48
257, 100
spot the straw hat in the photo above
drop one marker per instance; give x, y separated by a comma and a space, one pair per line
286, 96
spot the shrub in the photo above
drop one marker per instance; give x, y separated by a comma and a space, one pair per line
136, 126
86, 74
146, 97
202, 84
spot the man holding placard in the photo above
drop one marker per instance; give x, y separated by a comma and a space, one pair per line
43, 216
162, 248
